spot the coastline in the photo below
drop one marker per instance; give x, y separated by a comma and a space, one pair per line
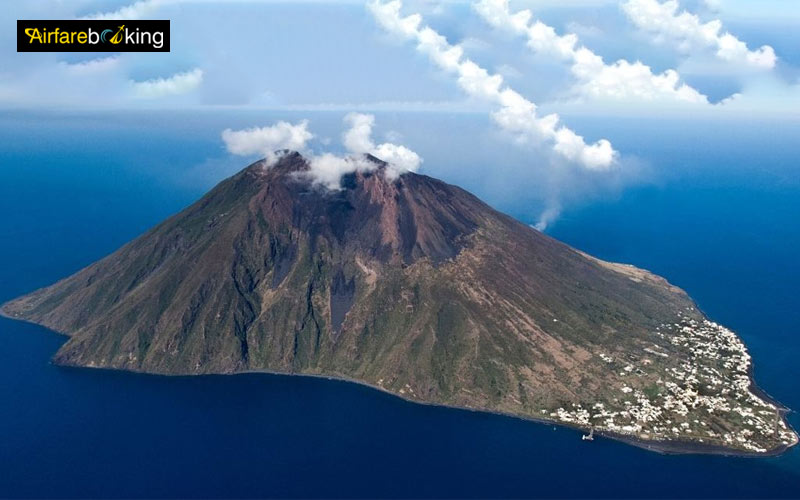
662, 447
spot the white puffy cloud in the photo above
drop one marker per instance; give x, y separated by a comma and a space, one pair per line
179, 83
400, 159
516, 114
358, 139
621, 80
664, 22
325, 169
268, 141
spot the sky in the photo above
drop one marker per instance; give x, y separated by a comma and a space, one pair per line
532, 75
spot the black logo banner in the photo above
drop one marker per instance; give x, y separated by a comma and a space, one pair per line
93, 36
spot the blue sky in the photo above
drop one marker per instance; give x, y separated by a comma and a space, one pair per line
534, 77
335, 55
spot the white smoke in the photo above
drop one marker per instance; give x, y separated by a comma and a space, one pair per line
548, 216
267, 141
400, 159
621, 80
516, 114
326, 169
664, 22
358, 139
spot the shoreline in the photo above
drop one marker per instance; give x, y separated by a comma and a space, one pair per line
661, 447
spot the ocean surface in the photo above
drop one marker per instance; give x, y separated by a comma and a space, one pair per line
719, 218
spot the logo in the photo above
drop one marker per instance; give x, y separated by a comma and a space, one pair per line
93, 36
114, 39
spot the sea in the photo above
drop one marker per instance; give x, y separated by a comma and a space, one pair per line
714, 207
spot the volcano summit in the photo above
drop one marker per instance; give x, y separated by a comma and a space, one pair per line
418, 288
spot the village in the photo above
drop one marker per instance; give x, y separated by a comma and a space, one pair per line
707, 398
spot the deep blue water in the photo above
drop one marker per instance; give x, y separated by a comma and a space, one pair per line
70, 194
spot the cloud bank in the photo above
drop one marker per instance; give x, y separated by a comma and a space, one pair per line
621, 80
92, 66
664, 22
177, 84
516, 114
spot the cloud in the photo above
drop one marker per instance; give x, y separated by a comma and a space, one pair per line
272, 141
664, 22
326, 169
516, 114
137, 10
358, 139
267, 141
400, 159
622, 80
179, 83
92, 66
